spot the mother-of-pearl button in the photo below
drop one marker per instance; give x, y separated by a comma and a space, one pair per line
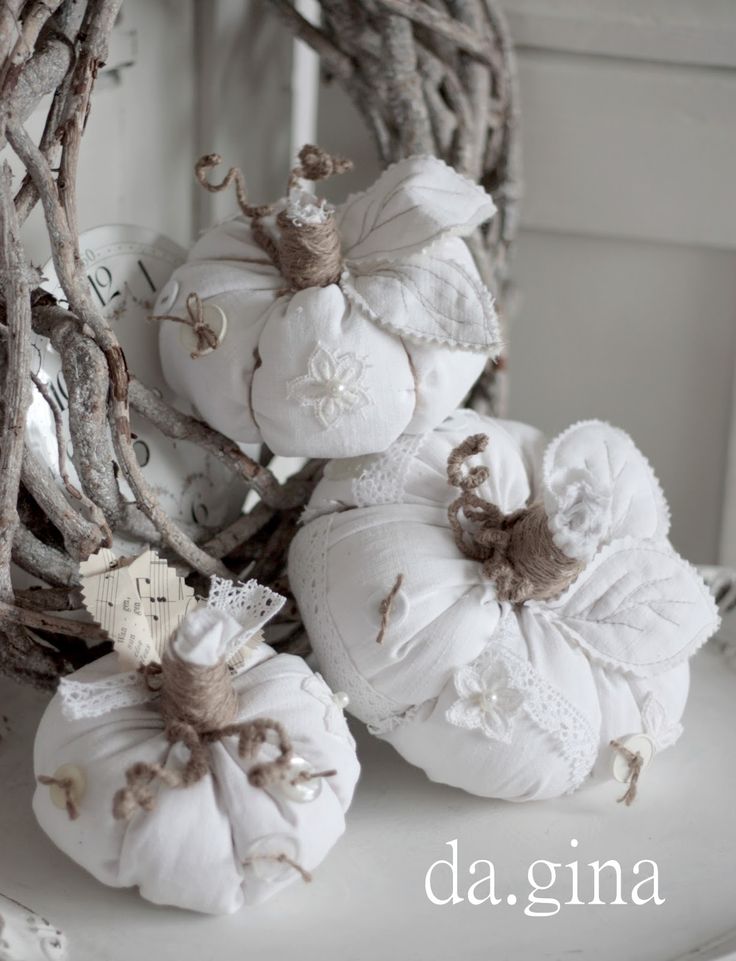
341, 699
638, 744
263, 857
167, 297
77, 785
296, 789
400, 607
215, 319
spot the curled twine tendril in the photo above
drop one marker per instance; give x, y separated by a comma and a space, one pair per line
306, 254
516, 550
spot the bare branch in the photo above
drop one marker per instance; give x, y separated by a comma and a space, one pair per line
82, 536
70, 270
41, 621
178, 426
17, 387
476, 43
332, 58
42, 560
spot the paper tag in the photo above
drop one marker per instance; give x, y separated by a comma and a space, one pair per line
240, 658
138, 601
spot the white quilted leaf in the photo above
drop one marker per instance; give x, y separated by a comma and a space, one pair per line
599, 487
412, 205
429, 298
637, 608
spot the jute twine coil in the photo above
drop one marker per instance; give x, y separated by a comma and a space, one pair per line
515, 550
307, 255
202, 697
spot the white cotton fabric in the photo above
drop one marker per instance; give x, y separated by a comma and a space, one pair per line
190, 850
342, 370
205, 637
510, 702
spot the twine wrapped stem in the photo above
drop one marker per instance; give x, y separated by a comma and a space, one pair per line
516, 550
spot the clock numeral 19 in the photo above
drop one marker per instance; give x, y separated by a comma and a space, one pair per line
101, 283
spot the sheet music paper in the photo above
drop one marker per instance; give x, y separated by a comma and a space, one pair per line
138, 601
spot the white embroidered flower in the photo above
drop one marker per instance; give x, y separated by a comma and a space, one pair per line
488, 700
579, 512
333, 385
657, 724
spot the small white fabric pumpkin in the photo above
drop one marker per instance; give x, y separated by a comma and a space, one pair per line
507, 700
223, 841
390, 344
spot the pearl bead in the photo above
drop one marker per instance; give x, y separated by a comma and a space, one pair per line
341, 699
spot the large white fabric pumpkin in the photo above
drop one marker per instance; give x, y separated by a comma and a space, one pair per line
507, 700
390, 343
223, 841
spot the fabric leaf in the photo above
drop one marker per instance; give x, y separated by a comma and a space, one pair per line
603, 460
429, 299
413, 204
638, 608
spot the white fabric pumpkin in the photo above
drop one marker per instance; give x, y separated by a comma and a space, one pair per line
508, 701
343, 369
221, 842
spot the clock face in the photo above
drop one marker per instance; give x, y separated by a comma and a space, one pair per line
126, 267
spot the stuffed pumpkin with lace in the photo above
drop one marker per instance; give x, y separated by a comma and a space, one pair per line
500, 610
328, 332
208, 781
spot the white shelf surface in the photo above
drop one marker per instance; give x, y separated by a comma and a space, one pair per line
367, 901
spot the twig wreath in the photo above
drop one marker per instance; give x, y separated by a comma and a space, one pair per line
432, 78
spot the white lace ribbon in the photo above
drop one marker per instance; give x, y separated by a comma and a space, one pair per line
84, 699
251, 604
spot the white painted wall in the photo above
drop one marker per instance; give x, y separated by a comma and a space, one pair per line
627, 263
134, 163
